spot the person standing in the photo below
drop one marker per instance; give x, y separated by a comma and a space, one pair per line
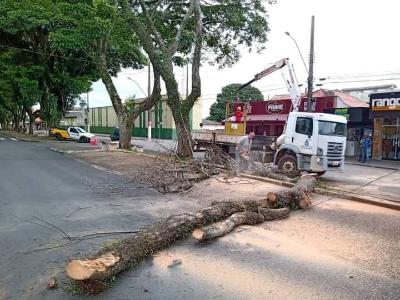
366, 144
243, 148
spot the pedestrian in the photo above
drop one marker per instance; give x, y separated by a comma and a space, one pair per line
366, 144
243, 148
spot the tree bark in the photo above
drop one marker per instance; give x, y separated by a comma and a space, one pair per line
237, 219
125, 131
299, 195
184, 136
31, 118
92, 274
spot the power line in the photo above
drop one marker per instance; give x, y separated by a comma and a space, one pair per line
37, 52
367, 80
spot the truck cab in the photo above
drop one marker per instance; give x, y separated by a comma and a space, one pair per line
313, 142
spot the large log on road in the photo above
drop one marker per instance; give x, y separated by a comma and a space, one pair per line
299, 194
92, 273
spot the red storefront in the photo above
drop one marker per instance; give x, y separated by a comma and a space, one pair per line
269, 117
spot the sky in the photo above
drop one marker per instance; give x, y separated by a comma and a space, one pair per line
356, 44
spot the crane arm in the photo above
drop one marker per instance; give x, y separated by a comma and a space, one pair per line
291, 83
276, 66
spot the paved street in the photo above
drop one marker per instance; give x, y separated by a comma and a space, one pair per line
336, 250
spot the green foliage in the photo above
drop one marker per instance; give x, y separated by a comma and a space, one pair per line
229, 93
227, 25
32, 30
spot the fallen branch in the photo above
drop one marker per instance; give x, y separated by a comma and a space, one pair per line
243, 218
92, 273
298, 195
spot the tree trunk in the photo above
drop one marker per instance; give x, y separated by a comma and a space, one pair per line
92, 274
185, 142
242, 218
299, 195
125, 131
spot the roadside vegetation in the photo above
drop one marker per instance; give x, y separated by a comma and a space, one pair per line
52, 51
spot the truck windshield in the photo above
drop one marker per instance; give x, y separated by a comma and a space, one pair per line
81, 130
331, 128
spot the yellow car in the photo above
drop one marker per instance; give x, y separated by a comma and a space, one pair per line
59, 134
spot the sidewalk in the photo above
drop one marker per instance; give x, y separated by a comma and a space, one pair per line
155, 145
376, 179
375, 163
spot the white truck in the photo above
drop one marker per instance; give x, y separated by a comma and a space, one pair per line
74, 133
313, 142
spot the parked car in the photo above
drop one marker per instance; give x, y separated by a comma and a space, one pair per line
74, 133
114, 136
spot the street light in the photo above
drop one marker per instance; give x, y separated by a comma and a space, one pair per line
148, 112
297, 46
137, 84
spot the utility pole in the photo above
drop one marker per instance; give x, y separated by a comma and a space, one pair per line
311, 69
149, 111
88, 112
187, 80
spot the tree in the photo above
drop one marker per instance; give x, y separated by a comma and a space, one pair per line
27, 27
19, 89
178, 32
102, 32
229, 93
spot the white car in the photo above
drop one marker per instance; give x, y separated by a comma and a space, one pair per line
79, 134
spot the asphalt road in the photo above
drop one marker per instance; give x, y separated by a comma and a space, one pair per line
336, 250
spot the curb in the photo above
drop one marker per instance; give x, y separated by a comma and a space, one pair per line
391, 204
20, 139
74, 151
372, 166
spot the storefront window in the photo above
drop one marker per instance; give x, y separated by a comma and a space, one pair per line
391, 139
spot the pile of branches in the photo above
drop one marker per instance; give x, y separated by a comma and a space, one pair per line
216, 156
171, 174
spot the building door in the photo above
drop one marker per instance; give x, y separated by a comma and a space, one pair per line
391, 141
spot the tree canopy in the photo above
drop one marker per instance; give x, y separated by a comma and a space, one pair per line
177, 32
229, 93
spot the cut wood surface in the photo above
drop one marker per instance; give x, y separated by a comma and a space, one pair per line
300, 194
92, 273
243, 218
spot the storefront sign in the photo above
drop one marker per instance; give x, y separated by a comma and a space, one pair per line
343, 112
275, 107
385, 104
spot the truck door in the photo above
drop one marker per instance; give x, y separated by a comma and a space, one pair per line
73, 133
303, 136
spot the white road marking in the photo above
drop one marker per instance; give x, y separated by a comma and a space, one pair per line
2, 139
13, 139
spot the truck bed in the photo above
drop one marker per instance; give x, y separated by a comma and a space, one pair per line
215, 137
260, 143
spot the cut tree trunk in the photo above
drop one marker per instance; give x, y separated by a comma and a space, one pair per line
93, 274
299, 195
242, 218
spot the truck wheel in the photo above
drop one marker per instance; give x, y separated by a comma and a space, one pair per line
58, 137
288, 165
82, 139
